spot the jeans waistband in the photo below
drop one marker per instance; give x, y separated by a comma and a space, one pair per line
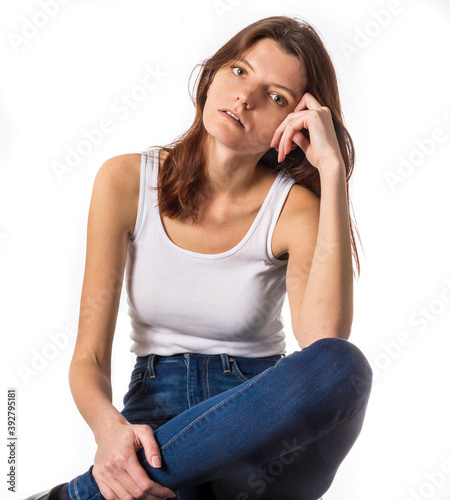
225, 358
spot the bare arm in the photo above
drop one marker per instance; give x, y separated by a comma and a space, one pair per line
319, 278
320, 274
112, 216
107, 235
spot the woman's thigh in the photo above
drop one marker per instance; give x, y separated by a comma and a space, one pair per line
165, 387
162, 387
304, 473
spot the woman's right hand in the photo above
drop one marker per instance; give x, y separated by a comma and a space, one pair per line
117, 470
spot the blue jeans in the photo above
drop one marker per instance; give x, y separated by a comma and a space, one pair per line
238, 428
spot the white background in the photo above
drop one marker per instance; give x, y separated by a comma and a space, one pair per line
66, 78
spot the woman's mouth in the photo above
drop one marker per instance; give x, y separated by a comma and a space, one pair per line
232, 117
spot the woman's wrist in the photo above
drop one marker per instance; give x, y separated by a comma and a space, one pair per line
333, 177
106, 420
333, 167
106, 424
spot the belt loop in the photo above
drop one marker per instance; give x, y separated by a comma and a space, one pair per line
150, 365
226, 362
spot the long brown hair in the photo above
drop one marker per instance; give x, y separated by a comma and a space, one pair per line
181, 180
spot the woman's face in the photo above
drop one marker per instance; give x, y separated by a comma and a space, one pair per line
260, 89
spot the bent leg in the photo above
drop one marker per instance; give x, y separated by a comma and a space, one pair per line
300, 400
297, 474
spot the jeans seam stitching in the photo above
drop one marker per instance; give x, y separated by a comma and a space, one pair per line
238, 373
206, 378
212, 409
140, 391
76, 488
188, 377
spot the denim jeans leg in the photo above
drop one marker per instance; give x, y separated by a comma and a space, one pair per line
301, 474
300, 400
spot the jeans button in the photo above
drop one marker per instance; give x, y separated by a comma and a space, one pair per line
231, 359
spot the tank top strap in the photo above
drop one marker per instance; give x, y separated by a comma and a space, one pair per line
261, 240
258, 241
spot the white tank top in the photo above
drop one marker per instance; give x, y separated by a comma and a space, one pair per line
181, 301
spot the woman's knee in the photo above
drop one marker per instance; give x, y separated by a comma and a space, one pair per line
340, 361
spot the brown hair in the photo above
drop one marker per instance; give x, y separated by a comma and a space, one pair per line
181, 180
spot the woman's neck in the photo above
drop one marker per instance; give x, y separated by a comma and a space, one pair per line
230, 174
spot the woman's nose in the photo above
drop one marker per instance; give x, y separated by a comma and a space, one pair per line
246, 96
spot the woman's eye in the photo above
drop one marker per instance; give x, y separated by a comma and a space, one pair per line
238, 71
278, 99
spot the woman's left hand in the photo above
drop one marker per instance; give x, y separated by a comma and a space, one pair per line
323, 146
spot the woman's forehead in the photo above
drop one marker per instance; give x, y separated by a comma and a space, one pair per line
267, 58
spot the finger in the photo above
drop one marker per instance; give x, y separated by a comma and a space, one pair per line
308, 101
141, 479
156, 497
291, 129
118, 478
301, 141
106, 491
278, 134
153, 497
122, 487
151, 448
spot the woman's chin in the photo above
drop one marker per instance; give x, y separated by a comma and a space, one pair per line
237, 146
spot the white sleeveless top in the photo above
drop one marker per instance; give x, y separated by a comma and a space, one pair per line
188, 302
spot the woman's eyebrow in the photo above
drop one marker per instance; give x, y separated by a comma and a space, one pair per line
287, 89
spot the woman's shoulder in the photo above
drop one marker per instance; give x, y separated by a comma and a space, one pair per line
300, 202
301, 197
301, 206
299, 216
123, 171
298, 197
120, 175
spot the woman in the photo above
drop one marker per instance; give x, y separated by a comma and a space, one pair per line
251, 203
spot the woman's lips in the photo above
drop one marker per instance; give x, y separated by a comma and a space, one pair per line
231, 119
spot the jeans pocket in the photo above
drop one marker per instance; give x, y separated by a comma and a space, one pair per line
138, 381
246, 368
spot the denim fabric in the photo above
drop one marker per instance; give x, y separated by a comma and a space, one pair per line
236, 428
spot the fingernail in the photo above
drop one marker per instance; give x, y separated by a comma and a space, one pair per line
156, 461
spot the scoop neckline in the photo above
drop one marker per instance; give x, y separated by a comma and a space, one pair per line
231, 250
